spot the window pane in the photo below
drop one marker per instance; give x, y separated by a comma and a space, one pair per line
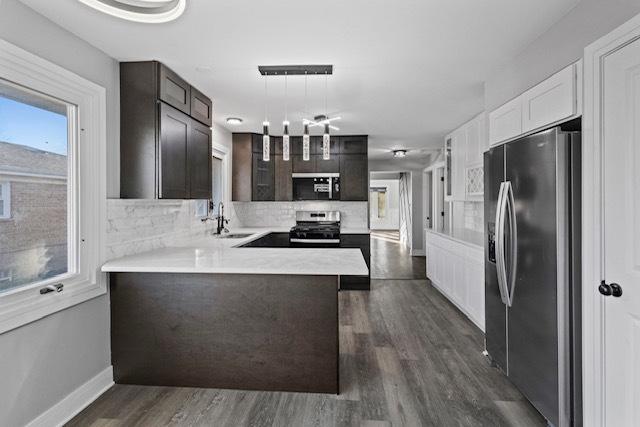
216, 173
33, 182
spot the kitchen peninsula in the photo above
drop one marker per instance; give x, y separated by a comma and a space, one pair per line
211, 314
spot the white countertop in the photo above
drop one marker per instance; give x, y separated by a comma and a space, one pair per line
462, 235
210, 254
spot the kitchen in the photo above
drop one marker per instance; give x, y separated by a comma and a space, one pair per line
213, 265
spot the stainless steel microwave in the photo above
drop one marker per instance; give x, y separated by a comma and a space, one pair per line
316, 186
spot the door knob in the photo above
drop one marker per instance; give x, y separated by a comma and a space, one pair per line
605, 289
616, 290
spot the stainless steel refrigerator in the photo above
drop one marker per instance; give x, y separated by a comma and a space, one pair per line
532, 269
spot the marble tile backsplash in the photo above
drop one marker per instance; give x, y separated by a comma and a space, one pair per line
474, 216
140, 225
283, 214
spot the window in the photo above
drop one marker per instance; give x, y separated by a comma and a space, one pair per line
5, 199
52, 187
34, 141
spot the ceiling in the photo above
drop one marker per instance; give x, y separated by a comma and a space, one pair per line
406, 72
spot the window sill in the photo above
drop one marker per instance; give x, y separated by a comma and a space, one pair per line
25, 310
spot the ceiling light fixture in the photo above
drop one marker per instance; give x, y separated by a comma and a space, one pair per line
305, 136
235, 121
145, 11
285, 124
399, 153
326, 139
265, 128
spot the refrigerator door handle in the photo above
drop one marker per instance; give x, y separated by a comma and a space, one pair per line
500, 261
513, 227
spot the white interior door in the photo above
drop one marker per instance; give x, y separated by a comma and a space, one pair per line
621, 220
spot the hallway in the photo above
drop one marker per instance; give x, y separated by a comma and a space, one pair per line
390, 259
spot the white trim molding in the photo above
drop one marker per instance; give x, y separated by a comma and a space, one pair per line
593, 360
86, 103
63, 411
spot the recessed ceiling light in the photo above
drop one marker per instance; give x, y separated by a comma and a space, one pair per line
399, 153
234, 121
146, 11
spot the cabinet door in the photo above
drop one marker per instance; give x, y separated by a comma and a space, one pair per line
353, 145
354, 177
327, 166
263, 178
283, 180
459, 150
201, 108
175, 131
476, 143
448, 167
302, 166
174, 90
506, 121
550, 101
199, 165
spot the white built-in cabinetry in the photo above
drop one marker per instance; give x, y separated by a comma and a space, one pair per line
464, 148
555, 100
456, 268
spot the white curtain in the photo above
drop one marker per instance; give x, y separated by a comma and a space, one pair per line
405, 210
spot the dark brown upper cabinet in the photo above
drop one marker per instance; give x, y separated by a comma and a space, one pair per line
354, 177
353, 144
316, 145
199, 164
201, 107
173, 90
257, 180
165, 152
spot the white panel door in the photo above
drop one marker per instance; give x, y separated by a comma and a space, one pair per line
621, 192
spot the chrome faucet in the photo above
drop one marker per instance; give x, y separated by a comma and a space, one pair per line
221, 220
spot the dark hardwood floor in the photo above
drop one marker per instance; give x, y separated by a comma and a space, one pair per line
390, 259
407, 358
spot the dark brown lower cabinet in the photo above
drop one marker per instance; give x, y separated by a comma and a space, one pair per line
237, 331
362, 242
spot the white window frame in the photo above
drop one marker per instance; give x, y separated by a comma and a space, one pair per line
221, 152
87, 202
6, 198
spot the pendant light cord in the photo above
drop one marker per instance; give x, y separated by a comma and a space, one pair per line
265, 97
286, 99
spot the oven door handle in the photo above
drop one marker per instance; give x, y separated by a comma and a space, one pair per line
314, 240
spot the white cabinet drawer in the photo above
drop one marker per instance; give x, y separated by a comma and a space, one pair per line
551, 101
506, 121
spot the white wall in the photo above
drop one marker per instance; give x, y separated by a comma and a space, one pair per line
560, 45
42, 362
391, 220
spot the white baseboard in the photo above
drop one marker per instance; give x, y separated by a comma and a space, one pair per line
75, 401
418, 252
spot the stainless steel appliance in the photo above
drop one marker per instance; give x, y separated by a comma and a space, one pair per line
532, 269
316, 186
316, 227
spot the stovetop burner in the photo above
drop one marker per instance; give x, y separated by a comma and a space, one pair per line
316, 227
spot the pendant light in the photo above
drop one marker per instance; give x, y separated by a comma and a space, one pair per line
266, 154
326, 139
285, 124
305, 136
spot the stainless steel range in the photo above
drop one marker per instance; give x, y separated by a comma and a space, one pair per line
316, 227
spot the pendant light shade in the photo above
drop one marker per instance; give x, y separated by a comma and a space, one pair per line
285, 141
326, 143
326, 139
306, 149
266, 142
